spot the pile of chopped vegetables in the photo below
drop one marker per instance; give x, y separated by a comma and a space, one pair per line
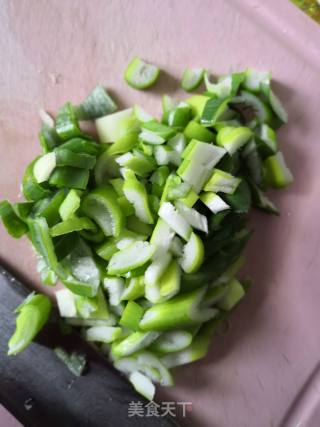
146, 226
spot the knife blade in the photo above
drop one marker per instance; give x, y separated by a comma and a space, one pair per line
39, 390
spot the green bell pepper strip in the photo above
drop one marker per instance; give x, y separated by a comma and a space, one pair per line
69, 205
39, 235
106, 334
179, 117
278, 174
44, 166
101, 205
193, 254
174, 220
114, 126
197, 103
67, 125
254, 165
262, 110
240, 200
133, 256
136, 194
192, 79
190, 198
48, 138
47, 276
65, 157
142, 115
197, 349
178, 142
49, 207
107, 249
70, 177
138, 162
97, 104
274, 102
106, 168
33, 191
140, 74
82, 146
13, 224
134, 289
254, 78
126, 206
115, 287
72, 224
172, 341
168, 103
159, 264
131, 316
136, 341
134, 224
117, 184
233, 138
80, 272
23, 209
142, 384
32, 316
169, 283
193, 217
158, 129
181, 311
235, 292
221, 181
124, 144
214, 110
194, 130
93, 236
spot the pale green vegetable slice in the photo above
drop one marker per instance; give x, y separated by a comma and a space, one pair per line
214, 202
141, 114
178, 143
114, 126
133, 256
170, 281
180, 311
153, 273
233, 138
278, 173
115, 288
141, 75
234, 294
132, 343
175, 221
69, 205
101, 205
192, 78
136, 193
142, 385
193, 217
172, 341
102, 333
162, 235
44, 166
66, 303
223, 182
134, 289
197, 103
254, 78
193, 254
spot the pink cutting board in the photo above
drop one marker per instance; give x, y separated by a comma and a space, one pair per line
53, 51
